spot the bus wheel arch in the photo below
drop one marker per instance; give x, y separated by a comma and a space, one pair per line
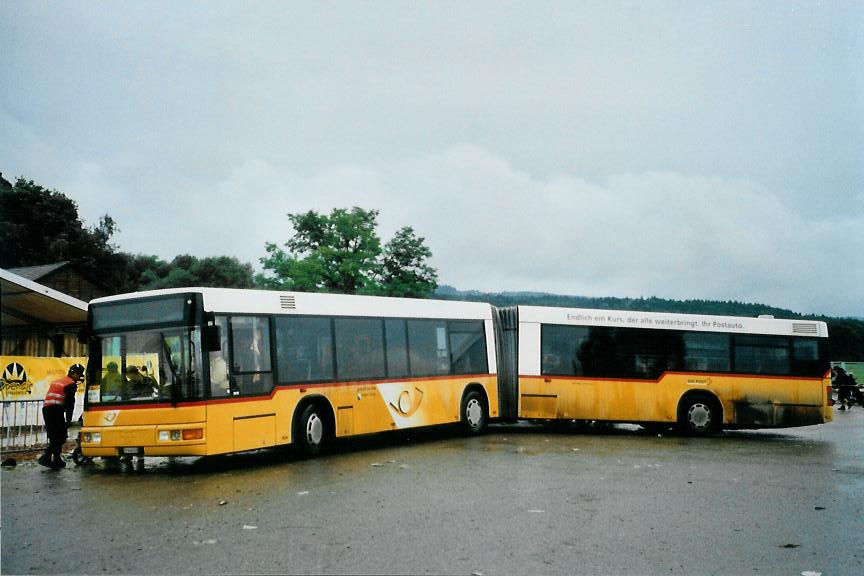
700, 413
313, 426
474, 409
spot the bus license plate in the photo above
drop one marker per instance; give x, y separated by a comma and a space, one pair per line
133, 451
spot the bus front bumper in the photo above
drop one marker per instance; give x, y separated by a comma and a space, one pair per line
155, 440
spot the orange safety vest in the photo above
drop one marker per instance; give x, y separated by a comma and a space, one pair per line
56, 395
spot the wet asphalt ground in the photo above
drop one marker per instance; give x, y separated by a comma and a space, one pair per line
522, 499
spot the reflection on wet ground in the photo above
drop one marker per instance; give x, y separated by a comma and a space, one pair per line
525, 498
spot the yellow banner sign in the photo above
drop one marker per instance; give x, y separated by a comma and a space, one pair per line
28, 378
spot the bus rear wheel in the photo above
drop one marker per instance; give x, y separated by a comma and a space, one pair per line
474, 413
699, 416
312, 431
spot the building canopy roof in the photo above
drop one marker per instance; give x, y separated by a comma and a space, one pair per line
27, 303
36, 272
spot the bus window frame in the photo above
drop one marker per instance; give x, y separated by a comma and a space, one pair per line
279, 381
796, 368
234, 390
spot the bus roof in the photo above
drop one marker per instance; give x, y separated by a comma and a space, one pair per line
670, 321
239, 301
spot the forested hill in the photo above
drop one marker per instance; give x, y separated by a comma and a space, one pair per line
847, 334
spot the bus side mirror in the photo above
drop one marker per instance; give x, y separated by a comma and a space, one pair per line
213, 338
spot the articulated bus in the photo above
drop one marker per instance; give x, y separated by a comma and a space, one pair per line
199, 372
205, 371
701, 373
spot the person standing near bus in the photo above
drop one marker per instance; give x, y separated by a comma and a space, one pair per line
57, 412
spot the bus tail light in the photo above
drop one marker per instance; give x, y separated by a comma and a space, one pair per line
193, 434
830, 395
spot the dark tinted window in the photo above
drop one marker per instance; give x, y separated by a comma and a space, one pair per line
806, 349
397, 348
762, 354
304, 349
560, 349
427, 347
648, 353
601, 355
468, 347
706, 352
359, 349
810, 357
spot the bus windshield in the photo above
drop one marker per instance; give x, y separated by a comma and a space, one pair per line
160, 365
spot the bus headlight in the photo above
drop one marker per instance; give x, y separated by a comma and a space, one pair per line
92, 437
176, 435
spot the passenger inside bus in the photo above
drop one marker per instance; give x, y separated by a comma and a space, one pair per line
136, 386
219, 383
112, 383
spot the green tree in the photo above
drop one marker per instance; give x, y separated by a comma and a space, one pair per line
341, 252
185, 270
404, 271
335, 253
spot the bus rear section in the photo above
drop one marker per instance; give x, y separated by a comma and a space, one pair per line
701, 373
260, 369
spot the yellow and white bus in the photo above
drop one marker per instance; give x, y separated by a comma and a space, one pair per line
701, 373
201, 371
204, 371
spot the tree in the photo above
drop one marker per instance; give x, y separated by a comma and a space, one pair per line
341, 252
41, 226
185, 270
404, 271
335, 253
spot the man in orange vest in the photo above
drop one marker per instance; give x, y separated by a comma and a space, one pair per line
57, 412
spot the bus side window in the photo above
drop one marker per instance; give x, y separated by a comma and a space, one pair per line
759, 354
304, 349
359, 349
250, 352
219, 362
427, 347
706, 352
808, 358
561, 347
468, 347
397, 347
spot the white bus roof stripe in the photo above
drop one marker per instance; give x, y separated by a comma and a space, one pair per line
237, 301
669, 321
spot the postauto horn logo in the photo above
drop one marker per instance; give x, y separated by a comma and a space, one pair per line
14, 380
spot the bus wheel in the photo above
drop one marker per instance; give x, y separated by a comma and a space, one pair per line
79, 459
699, 416
311, 432
474, 413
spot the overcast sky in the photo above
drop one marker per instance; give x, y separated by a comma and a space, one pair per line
674, 149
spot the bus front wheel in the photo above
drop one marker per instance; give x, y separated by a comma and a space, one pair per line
475, 415
312, 431
699, 416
